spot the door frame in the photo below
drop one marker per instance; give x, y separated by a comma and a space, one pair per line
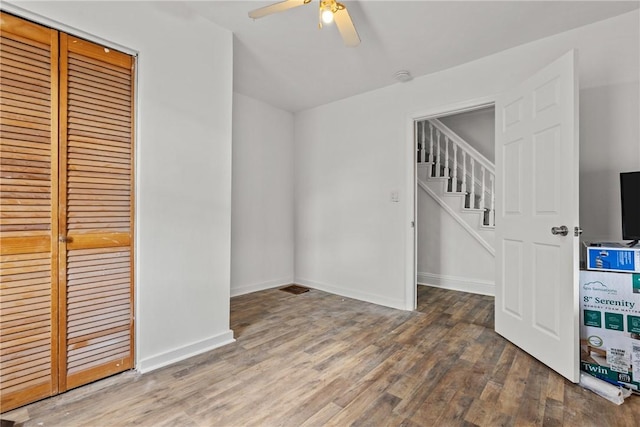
411, 189
61, 27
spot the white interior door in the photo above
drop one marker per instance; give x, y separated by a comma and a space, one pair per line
536, 189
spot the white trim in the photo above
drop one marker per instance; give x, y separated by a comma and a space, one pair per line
137, 151
47, 22
411, 220
464, 284
456, 108
255, 287
172, 356
459, 220
350, 293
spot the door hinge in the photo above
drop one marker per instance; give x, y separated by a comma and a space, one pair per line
577, 231
413, 224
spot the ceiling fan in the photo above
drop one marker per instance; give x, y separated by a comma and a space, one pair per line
330, 10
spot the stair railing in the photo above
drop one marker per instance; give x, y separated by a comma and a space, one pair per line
467, 170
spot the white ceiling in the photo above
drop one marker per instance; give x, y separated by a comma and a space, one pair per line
286, 61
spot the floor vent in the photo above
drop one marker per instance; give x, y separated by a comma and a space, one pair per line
295, 289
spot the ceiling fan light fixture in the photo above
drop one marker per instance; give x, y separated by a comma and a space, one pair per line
327, 16
328, 12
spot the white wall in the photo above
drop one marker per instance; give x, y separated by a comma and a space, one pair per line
448, 256
609, 144
350, 154
476, 127
183, 212
262, 196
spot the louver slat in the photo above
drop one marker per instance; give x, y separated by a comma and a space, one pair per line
28, 211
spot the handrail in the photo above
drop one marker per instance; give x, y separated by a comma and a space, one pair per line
489, 166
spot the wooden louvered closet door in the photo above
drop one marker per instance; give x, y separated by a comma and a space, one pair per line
96, 211
28, 211
66, 212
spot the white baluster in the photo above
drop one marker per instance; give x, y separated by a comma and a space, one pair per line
464, 172
454, 179
446, 156
492, 213
482, 171
416, 133
431, 142
437, 152
472, 196
423, 155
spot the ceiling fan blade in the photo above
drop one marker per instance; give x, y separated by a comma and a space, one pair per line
346, 28
276, 7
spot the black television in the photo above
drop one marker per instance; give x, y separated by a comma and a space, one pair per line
630, 201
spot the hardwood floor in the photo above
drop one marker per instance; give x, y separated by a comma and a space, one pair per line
319, 359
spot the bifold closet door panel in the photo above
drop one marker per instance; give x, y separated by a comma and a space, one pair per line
28, 211
96, 202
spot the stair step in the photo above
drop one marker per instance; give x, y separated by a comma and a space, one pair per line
455, 194
437, 162
474, 219
474, 210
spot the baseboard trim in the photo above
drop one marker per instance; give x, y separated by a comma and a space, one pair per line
465, 284
247, 289
172, 356
350, 293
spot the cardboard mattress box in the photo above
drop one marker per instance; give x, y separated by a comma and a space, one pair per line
607, 258
610, 327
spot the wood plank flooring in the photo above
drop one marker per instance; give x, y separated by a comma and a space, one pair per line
318, 359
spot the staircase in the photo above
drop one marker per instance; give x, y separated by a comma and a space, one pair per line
458, 178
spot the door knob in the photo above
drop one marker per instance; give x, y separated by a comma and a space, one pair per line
562, 230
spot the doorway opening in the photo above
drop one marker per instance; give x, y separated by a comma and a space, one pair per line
418, 152
455, 203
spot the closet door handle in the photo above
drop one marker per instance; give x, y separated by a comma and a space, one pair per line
65, 239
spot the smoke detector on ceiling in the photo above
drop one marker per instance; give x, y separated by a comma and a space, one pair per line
403, 76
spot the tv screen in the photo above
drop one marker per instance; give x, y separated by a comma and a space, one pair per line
630, 197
